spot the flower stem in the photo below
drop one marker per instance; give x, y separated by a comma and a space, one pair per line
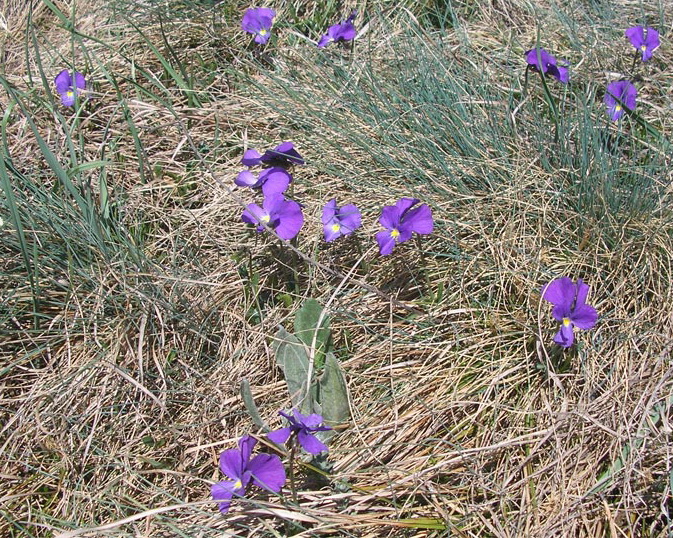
293, 450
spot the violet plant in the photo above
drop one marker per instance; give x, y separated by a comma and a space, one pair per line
258, 22
283, 155
271, 180
645, 40
314, 378
69, 87
301, 431
281, 215
302, 428
401, 221
275, 178
570, 308
542, 61
264, 470
316, 385
620, 95
339, 221
340, 32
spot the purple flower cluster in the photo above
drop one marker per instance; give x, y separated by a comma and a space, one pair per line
621, 94
285, 216
259, 20
264, 470
276, 212
275, 178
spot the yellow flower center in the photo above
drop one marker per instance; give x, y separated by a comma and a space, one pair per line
618, 108
395, 233
643, 47
70, 93
238, 484
265, 219
566, 322
336, 227
263, 31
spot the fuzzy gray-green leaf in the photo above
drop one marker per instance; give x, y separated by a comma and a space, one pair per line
333, 393
306, 322
293, 359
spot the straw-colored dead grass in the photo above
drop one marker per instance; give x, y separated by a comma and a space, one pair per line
114, 412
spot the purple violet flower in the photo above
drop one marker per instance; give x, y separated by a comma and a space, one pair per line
303, 426
570, 308
645, 40
67, 88
264, 470
251, 157
258, 21
281, 215
401, 221
283, 155
620, 94
540, 60
339, 221
271, 180
343, 31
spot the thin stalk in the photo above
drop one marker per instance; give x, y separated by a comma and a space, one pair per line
293, 451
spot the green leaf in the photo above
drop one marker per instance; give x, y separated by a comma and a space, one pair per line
104, 196
291, 356
310, 327
422, 523
167, 463
251, 406
17, 223
333, 393
77, 170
